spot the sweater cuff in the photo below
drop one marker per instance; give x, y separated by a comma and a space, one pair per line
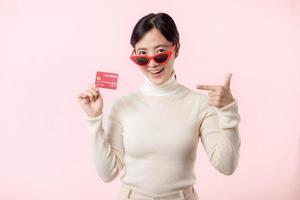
87, 118
233, 106
229, 116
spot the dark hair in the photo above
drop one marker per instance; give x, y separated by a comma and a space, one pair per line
161, 21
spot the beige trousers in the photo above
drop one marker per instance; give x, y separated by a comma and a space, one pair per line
129, 193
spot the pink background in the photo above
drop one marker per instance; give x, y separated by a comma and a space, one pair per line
50, 51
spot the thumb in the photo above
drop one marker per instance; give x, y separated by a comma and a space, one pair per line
228, 80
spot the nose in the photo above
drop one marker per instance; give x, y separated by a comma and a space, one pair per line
152, 64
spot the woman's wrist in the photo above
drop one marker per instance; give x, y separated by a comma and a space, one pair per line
94, 115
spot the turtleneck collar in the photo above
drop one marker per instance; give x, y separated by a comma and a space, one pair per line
166, 88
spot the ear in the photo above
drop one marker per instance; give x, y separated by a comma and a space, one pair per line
177, 49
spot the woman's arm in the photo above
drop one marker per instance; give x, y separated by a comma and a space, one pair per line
107, 144
219, 132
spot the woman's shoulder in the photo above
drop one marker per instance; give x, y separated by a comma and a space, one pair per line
199, 98
193, 93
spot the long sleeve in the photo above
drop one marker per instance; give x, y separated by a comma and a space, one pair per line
219, 133
107, 144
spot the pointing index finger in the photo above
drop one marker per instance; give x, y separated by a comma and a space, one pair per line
207, 87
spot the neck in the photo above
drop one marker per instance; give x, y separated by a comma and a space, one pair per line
166, 88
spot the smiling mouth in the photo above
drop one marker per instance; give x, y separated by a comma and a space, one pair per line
157, 71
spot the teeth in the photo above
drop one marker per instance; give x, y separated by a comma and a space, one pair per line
155, 71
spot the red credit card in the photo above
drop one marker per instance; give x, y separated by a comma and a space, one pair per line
106, 80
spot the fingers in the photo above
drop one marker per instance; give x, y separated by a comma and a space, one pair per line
82, 97
95, 91
93, 86
214, 97
208, 87
216, 87
213, 102
92, 93
219, 95
214, 94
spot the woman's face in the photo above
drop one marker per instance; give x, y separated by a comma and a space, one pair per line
151, 43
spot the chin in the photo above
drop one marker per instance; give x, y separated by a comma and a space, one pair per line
158, 80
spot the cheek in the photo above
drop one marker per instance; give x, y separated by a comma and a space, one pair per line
169, 65
143, 69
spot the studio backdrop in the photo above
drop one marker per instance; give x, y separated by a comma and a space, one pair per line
50, 51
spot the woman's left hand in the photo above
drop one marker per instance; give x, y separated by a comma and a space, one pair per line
219, 96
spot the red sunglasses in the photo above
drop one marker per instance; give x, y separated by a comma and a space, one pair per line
160, 58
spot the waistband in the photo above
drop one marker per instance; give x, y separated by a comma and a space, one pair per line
130, 192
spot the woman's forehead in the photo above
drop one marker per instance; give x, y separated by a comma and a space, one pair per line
151, 40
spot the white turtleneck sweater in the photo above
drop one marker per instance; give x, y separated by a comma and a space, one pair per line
151, 135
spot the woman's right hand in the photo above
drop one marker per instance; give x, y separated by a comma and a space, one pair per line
91, 101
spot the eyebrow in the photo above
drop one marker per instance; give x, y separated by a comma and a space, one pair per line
160, 45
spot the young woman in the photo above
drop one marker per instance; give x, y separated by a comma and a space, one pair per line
152, 134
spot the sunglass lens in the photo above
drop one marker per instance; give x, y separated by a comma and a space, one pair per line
141, 61
161, 58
